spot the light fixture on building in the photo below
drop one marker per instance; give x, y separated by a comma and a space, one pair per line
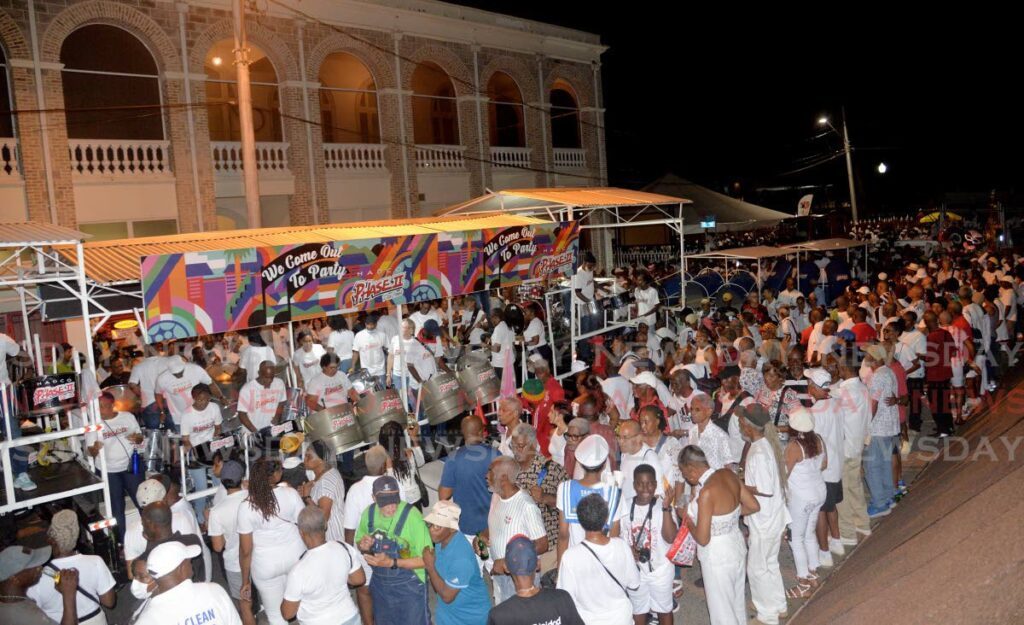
882, 168
217, 61
126, 324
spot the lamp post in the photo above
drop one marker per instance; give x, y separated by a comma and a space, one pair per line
242, 60
824, 121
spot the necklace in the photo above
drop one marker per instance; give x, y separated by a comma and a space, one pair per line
529, 592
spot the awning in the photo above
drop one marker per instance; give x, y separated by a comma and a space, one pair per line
827, 245
541, 199
33, 233
117, 262
729, 213
749, 253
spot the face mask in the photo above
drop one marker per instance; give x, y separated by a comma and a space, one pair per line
139, 590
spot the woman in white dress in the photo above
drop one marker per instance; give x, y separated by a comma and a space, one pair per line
806, 459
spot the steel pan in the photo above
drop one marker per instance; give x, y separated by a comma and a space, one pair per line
124, 399
376, 409
224, 376
336, 426
443, 398
478, 378
156, 451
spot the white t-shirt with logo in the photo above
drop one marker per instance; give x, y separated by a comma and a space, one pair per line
260, 402
223, 522
319, 582
93, 577
416, 356
329, 391
308, 363
177, 390
114, 436
370, 345
189, 603
198, 425
637, 530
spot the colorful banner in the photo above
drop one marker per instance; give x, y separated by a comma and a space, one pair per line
197, 293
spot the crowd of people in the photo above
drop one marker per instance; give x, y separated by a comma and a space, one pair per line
687, 437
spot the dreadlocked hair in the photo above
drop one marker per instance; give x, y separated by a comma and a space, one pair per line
261, 490
392, 439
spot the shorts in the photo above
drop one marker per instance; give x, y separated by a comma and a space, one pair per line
655, 592
957, 364
234, 584
833, 495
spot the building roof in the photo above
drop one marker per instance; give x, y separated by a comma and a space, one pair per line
112, 262
828, 245
34, 233
558, 198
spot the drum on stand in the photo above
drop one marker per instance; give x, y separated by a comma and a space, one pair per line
443, 398
374, 409
156, 450
125, 400
478, 378
225, 377
336, 426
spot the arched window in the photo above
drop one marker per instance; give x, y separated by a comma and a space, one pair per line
348, 101
111, 86
434, 108
505, 105
222, 94
565, 116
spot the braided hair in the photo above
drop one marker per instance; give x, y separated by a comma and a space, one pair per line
261, 489
392, 439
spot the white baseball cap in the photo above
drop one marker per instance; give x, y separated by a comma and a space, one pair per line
647, 378
577, 366
592, 451
166, 557
175, 364
801, 420
150, 491
819, 376
665, 333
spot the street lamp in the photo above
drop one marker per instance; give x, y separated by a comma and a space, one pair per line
824, 121
882, 168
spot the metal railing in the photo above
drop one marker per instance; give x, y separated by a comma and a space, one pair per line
571, 158
108, 157
503, 157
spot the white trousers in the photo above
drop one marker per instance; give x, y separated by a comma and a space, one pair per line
804, 512
723, 565
271, 594
766, 588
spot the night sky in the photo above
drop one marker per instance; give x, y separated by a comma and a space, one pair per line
733, 97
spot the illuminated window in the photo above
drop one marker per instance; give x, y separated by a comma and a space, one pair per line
348, 101
434, 108
222, 95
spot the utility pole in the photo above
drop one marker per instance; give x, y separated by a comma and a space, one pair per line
849, 167
249, 174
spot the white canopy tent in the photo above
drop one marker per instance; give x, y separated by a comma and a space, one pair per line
729, 213
757, 252
830, 245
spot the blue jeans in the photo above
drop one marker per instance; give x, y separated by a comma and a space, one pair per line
200, 482
345, 365
399, 597
151, 416
122, 483
878, 470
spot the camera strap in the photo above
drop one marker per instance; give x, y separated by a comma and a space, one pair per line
647, 521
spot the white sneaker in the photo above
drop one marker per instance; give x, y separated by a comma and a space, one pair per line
825, 559
835, 545
24, 482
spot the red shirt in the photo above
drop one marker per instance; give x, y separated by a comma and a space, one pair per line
553, 392
864, 333
941, 348
805, 336
965, 325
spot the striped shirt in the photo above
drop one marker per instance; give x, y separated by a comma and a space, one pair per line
510, 517
330, 485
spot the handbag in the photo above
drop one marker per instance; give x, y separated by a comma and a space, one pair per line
683, 548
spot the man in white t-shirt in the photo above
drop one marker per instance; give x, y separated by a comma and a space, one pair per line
174, 387
368, 350
177, 598
585, 292
200, 425
331, 387
316, 592
911, 350
117, 439
635, 453
387, 323
254, 354
221, 525
306, 358
502, 340
789, 296
143, 383
647, 300
419, 361
261, 402
424, 312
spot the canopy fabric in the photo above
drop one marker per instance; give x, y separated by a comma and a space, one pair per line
827, 245
34, 233
730, 213
749, 253
516, 200
115, 262
931, 218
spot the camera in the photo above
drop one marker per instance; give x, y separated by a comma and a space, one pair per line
644, 555
384, 545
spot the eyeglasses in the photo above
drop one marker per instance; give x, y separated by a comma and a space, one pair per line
574, 437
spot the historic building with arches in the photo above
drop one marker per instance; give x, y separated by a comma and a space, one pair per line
120, 117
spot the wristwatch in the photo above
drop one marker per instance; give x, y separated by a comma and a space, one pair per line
394, 563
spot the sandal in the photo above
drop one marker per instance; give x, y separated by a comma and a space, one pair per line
812, 579
677, 588
800, 591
